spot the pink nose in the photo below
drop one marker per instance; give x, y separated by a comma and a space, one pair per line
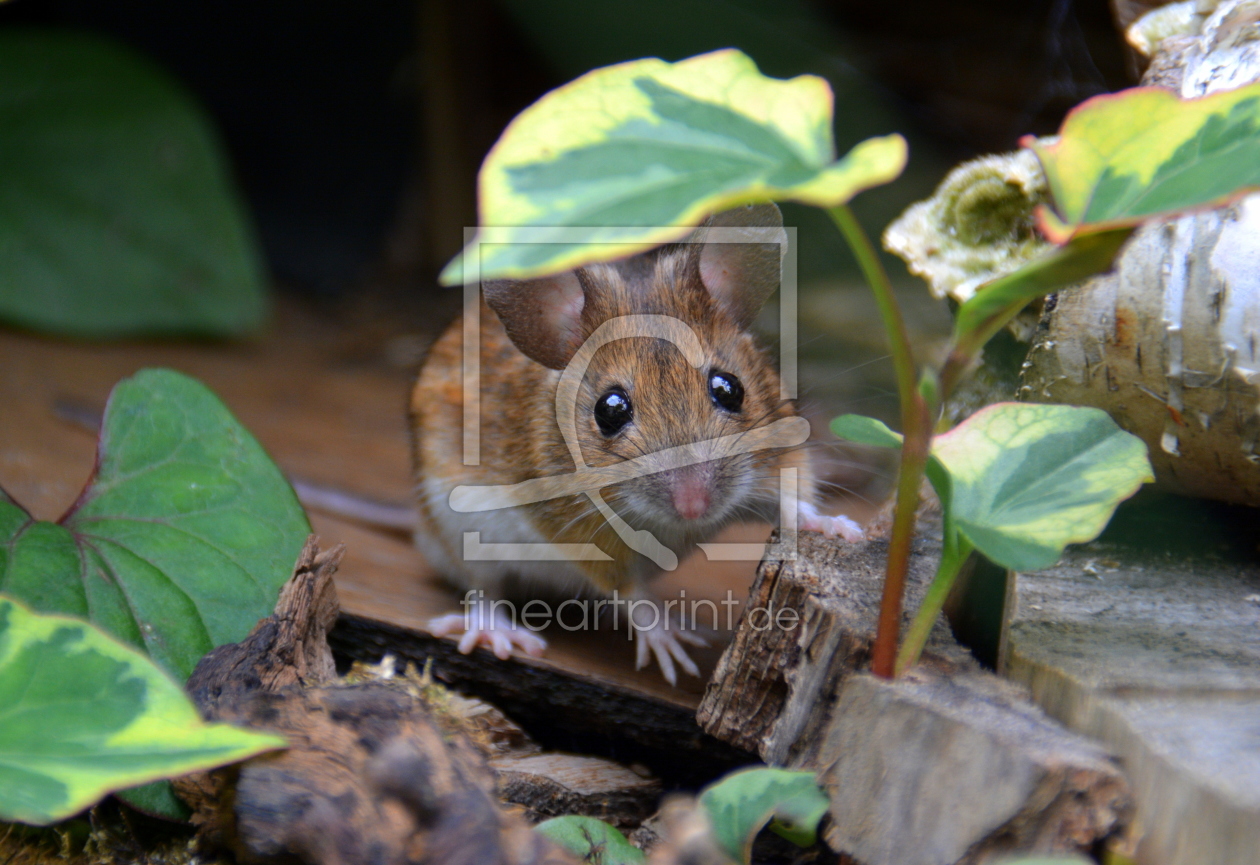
691, 497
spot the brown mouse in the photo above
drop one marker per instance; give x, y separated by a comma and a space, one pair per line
675, 412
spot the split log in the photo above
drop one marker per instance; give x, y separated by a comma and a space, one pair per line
948, 764
774, 686
935, 768
545, 784
370, 774
563, 709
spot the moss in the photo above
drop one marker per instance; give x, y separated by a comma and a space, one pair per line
108, 834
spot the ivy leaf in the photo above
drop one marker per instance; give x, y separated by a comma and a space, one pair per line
630, 156
81, 715
1126, 157
1021, 481
117, 212
1027, 480
743, 802
182, 538
591, 840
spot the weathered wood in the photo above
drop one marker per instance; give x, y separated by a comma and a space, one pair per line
560, 709
937, 768
372, 773
551, 785
545, 784
368, 777
773, 687
287, 648
946, 765
1158, 656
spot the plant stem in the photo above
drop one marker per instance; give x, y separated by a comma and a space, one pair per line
952, 560
914, 450
916, 425
889, 311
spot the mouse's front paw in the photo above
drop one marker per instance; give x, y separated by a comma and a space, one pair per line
664, 641
492, 629
809, 520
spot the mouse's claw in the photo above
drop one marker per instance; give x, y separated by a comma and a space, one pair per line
809, 520
489, 628
664, 642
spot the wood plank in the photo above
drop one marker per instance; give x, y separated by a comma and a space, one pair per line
552, 785
1158, 656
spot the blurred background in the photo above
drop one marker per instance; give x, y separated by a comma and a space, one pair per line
346, 140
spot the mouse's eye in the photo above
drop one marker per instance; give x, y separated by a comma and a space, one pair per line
612, 412
726, 391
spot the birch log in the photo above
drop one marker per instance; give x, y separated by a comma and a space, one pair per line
1169, 342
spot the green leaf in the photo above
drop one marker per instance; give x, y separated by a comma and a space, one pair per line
1027, 480
740, 804
869, 431
996, 303
82, 714
1021, 481
180, 541
117, 214
1125, 157
156, 798
630, 156
865, 431
591, 840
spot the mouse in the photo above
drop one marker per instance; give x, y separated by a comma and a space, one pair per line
617, 405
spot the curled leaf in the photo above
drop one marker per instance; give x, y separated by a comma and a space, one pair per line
1126, 157
742, 803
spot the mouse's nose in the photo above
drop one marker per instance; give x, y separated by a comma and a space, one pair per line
692, 494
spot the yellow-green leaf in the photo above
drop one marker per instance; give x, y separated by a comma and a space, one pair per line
1027, 480
997, 302
630, 156
1130, 156
82, 715
1021, 481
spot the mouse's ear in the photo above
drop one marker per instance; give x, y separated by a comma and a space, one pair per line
542, 317
741, 259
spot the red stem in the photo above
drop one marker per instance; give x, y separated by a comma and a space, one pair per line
916, 425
